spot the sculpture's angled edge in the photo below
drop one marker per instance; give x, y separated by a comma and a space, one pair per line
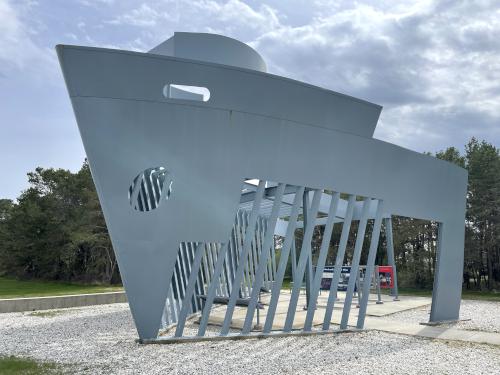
171, 136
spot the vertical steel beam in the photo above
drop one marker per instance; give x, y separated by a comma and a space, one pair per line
294, 259
199, 282
304, 255
264, 257
339, 261
188, 295
376, 276
213, 256
241, 224
181, 274
189, 263
258, 246
207, 278
165, 320
173, 312
208, 258
323, 252
269, 267
285, 252
248, 279
177, 283
273, 258
184, 270
360, 237
230, 259
249, 236
226, 274
253, 251
249, 257
390, 256
305, 211
370, 264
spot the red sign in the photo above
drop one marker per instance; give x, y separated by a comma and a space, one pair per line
385, 274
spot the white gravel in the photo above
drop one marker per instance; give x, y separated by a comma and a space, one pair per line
101, 340
474, 315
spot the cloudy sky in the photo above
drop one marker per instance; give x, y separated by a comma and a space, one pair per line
433, 65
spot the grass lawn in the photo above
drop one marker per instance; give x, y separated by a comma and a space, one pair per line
11, 288
466, 294
15, 365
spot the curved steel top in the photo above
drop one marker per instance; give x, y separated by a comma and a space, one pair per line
211, 48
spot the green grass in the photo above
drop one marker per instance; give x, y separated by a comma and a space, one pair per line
466, 294
485, 296
15, 365
12, 288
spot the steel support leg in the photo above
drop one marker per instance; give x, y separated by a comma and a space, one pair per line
301, 266
263, 261
370, 264
249, 237
339, 261
323, 252
390, 257
360, 237
285, 252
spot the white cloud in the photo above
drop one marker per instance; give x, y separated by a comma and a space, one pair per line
233, 18
18, 51
143, 16
235, 13
96, 3
434, 66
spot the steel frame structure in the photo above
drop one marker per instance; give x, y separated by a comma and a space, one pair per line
173, 136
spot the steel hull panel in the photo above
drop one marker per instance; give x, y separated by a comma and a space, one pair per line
249, 129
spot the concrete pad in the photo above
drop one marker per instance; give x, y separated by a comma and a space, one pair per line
389, 306
374, 319
433, 332
60, 302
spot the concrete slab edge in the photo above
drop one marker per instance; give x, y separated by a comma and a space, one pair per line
60, 302
475, 337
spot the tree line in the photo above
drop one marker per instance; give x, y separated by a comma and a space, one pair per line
415, 240
56, 230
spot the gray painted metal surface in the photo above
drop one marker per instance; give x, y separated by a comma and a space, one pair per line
169, 170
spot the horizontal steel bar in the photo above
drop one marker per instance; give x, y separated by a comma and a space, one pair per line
269, 192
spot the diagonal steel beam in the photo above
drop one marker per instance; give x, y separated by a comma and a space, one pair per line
344, 236
285, 252
249, 236
370, 265
263, 261
188, 294
211, 290
304, 255
323, 252
360, 238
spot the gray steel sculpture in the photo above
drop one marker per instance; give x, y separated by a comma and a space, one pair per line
171, 136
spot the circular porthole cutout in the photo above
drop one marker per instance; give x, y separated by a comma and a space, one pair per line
150, 188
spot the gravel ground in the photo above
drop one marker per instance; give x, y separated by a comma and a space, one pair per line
475, 315
101, 340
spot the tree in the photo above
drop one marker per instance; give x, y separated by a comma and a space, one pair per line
415, 240
56, 230
483, 212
